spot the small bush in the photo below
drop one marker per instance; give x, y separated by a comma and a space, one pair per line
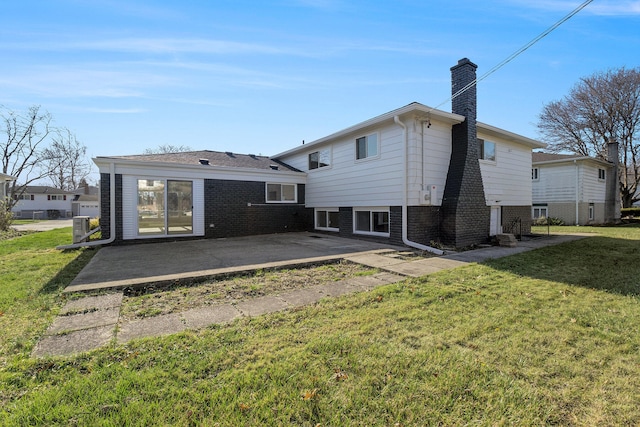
548, 221
6, 216
53, 213
94, 223
632, 212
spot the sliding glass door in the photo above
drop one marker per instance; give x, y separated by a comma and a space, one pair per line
165, 207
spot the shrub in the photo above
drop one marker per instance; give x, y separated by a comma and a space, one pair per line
94, 223
548, 221
6, 216
633, 212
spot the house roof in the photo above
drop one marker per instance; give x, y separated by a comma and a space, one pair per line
427, 113
210, 158
546, 158
44, 189
5, 177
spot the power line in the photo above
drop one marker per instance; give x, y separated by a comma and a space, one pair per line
516, 53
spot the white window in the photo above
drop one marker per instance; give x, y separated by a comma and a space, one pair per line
56, 197
367, 146
371, 221
281, 193
487, 150
535, 174
602, 174
540, 212
591, 211
327, 219
320, 159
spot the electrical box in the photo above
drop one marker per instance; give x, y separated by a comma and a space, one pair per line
429, 196
80, 228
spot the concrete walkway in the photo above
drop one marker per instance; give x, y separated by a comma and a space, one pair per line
91, 322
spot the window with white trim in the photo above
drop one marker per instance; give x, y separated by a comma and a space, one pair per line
327, 219
487, 150
367, 146
591, 211
540, 212
320, 159
281, 193
602, 174
373, 221
535, 174
56, 197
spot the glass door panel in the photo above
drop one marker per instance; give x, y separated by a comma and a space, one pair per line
150, 207
179, 207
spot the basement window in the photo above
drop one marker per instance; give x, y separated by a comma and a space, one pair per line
373, 222
327, 219
540, 211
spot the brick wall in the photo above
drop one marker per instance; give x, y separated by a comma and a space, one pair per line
228, 213
515, 219
423, 224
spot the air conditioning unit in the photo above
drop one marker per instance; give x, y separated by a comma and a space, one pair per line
429, 196
80, 228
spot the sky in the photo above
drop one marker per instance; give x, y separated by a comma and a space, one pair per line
259, 77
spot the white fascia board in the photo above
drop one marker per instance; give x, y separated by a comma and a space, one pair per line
510, 136
415, 108
572, 160
176, 170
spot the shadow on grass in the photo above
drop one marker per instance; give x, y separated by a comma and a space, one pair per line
603, 263
69, 272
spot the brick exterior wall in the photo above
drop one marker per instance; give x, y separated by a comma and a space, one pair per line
465, 215
228, 214
105, 207
516, 220
423, 224
346, 222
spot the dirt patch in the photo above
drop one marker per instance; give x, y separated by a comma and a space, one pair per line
149, 302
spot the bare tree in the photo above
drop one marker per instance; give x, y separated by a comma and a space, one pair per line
167, 148
23, 136
65, 160
601, 108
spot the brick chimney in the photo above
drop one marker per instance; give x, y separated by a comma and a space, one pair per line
465, 214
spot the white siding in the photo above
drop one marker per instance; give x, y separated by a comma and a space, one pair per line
350, 182
436, 154
557, 183
593, 189
41, 203
507, 181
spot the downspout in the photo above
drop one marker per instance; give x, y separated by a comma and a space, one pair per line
112, 216
577, 192
405, 217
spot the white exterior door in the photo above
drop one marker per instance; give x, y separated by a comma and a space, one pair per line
495, 226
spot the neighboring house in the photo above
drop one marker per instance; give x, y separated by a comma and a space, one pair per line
415, 175
42, 202
4, 180
569, 187
86, 202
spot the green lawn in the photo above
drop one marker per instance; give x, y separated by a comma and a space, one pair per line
545, 337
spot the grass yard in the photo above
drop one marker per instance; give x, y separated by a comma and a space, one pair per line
548, 337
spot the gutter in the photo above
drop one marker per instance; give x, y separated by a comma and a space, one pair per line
112, 219
405, 217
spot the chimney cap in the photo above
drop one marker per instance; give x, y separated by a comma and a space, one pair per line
462, 62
